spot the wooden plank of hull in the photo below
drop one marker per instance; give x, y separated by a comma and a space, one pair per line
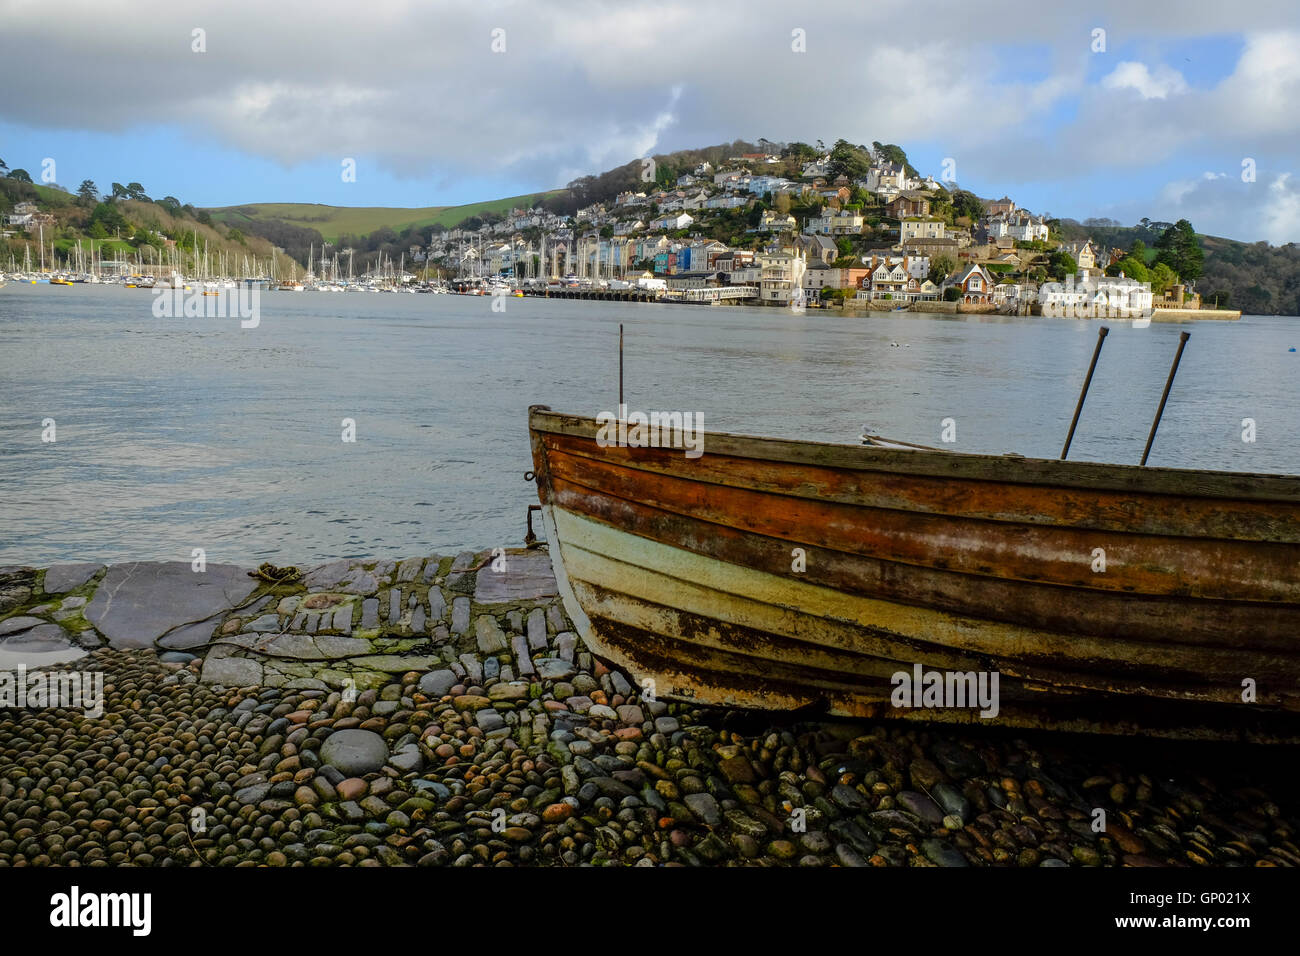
691, 675
1122, 617
1135, 563
688, 580
673, 648
1101, 510
1245, 486
783, 620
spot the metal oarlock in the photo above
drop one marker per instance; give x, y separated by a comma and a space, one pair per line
530, 538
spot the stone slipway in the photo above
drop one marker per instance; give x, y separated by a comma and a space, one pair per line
392, 713
344, 624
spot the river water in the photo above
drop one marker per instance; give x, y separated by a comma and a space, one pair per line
175, 434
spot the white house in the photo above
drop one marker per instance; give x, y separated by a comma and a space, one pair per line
836, 223
1093, 297
768, 184
671, 223
779, 275
818, 167
773, 221
1019, 226
909, 228
697, 200
885, 175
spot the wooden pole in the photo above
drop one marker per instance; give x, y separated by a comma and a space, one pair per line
1173, 370
1101, 337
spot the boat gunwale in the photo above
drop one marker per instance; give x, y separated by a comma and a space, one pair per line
1140, 479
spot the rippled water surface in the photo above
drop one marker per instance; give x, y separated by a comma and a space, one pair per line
174, 434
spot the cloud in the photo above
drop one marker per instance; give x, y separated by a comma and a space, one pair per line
416, 90
1221, 204
1156, 84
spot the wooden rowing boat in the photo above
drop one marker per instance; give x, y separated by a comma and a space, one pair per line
790, 574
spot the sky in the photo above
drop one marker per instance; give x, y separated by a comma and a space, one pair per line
1109, 109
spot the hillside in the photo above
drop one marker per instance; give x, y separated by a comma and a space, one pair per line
1253, 277
151, 234
331, 222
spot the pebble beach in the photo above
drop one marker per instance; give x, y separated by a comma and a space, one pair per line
438, 712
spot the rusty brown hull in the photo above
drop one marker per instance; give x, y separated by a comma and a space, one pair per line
781, 574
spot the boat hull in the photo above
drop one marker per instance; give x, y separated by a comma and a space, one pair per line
787, 575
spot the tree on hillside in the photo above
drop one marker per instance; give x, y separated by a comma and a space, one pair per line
848, 160
87, 192
109, 219
665, 174
1162, 277
1138, 251
1061, 264
21, 176
894, 154
1132, 268
967, 204
4, 167
941, 267
171, 204
120, 191
800, 151
136, 191
1181, 250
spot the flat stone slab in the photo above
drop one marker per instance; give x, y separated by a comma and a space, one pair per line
554, 668
460, 608
69, 577
392, 664
21, 622
537, 629
409, 569
344, 576
232, 671
39, 639
437, 604
331, 646
527, 577
491, 639
137, 603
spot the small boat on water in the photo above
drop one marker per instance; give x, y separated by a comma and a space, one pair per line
776, 574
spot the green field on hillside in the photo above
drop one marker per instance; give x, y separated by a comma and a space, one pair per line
333, 221
51, 196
